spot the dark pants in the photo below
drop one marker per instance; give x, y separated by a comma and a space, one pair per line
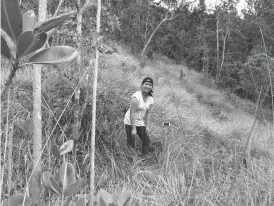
141, 132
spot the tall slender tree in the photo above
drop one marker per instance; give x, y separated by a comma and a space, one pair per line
226, 14
76, 119
94, 96
37, 118
169, 15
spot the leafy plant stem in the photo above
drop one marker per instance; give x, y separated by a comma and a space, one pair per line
62, 200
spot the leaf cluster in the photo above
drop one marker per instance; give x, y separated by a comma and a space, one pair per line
30, 38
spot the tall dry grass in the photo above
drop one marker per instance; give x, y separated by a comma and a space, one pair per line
192, 162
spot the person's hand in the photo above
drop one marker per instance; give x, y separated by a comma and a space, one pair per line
133, 132
147, 131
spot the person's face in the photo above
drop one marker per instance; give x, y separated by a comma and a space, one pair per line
147, 87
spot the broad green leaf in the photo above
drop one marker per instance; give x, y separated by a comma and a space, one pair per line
17, 200
5, 51
28, 42
125, 198
51, 183
67, 174
66, 147
11, 18
55, 151
54, 55
25, 125
104, 198
74, 187
51, 23
29, 21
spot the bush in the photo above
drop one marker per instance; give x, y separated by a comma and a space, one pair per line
254, 75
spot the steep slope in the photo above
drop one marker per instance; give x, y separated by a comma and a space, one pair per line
198, 160
190, 104
203, 160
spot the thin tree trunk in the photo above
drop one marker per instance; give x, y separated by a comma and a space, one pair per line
10, 164
37, 120
37, 135
217, 49
95, 74
79, 66
76, 115
1, 169
223, 56
151, 36
76, 118
9, 137
205, 63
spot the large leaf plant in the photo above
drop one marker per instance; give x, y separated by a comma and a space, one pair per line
30, 39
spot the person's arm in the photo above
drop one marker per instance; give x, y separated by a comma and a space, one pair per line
147, 119
133, 107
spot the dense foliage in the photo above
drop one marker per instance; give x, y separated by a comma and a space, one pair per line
190, 37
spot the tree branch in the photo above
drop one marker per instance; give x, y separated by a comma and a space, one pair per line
58, 7
87, 4
153, 33
155, 30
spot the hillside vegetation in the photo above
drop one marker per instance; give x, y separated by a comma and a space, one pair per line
201, 159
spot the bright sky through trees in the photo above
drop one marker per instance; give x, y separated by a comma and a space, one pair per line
212, 3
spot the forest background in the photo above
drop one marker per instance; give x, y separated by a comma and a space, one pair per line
220, 42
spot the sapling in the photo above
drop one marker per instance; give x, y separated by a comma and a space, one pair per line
26, 43
17, 200
29, 39
65, 184
106, 199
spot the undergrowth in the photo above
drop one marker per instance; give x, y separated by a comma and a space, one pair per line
195, 161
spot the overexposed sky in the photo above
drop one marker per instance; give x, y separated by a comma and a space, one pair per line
212, 3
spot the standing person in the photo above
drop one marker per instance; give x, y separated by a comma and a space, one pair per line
137, 117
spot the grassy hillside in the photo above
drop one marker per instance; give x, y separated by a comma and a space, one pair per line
198, 160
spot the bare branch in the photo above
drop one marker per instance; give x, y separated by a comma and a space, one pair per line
58, 8
173, 17
87, 4
266, 55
